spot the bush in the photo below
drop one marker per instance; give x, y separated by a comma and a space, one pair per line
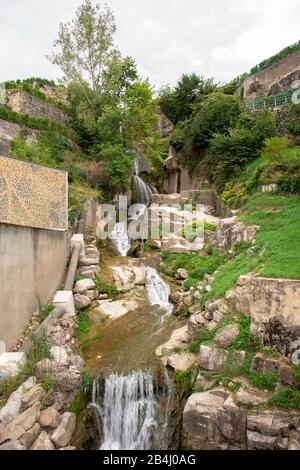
292, 119
215, 114
119, 166
177, 104
289, 181
274, 146
33, 122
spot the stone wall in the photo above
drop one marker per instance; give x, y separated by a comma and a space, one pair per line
32, 268
273, 80
22, 102
8, 132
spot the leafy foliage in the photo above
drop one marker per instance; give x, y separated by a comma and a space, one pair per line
275, 58
177, 104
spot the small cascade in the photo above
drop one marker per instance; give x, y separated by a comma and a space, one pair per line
128, 411
158, 290
120, 238
142, 191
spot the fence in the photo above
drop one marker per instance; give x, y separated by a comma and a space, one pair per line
273, 102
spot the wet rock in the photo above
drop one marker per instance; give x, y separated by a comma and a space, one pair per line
43, 442
84, 285
50, 418
63, 434
81, 302
117, 309
19, 425
227, 336
28, 438
211, 359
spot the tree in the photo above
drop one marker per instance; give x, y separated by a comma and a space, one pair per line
84, 46
177, 104
215, 114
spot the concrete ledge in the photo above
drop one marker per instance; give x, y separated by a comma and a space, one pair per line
64, 298
10, 363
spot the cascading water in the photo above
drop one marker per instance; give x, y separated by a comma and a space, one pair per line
142, 191
120, 237
128, 412
158, 291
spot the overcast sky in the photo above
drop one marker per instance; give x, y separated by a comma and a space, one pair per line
219, 38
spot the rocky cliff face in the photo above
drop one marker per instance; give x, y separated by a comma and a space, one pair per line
276, 79
23, 103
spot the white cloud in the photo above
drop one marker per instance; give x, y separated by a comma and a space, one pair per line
220, 38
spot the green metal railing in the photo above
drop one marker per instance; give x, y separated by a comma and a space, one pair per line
275, 101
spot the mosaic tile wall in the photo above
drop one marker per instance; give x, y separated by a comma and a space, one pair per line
32, 195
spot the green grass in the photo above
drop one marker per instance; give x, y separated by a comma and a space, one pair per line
288, 398
277, 245
183, 376
45, 311
84, 325
195, 264
38, 350
279, 219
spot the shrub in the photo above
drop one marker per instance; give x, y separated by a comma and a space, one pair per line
292, 119
274, 147
288, 398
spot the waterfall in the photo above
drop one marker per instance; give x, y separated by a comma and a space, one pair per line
142, 190
120, 237
158, 290
128, 412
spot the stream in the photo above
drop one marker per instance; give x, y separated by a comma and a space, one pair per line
131, 390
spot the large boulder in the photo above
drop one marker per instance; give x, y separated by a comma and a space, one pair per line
82, 286
230, 232
81, 301
226, 336
50, 418
63, 434
274, 307
43, 442
116, 309
212, 421
174, 352
28, 438
212, 359
13, 406
66, 378
20, 424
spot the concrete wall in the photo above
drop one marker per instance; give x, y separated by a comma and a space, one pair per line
31, 270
